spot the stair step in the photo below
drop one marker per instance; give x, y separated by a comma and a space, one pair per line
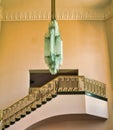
6, 126
12, 123
22, 116
44, 102
38, 105
28, 112
33, 109
54, 96
17, 119
49, 99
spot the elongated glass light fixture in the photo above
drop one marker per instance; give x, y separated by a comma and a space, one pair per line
53, 44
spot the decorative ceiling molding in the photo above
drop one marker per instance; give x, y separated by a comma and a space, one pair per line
109, 12
64, 14
78, 14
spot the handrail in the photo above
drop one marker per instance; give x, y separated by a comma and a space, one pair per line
95, 87
38, 96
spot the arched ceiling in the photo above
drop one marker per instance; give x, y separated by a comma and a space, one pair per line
65, 9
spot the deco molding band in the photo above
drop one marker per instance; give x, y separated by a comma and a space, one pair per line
77, 14
80, 13
43, 15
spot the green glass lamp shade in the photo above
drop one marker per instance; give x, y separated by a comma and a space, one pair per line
53, 47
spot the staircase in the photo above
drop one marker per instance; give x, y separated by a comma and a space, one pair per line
61, 85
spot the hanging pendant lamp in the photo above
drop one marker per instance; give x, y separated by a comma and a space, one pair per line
53, 44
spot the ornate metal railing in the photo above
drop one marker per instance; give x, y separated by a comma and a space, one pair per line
38, 96
80, 83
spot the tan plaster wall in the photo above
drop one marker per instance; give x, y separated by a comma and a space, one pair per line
109, 30
22, 49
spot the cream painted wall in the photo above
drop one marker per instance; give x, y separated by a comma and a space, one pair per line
22, 49
109, 28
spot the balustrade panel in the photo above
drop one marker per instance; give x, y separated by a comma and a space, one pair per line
37, 96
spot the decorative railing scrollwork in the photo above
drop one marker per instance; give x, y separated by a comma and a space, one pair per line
71, 83
40, 95
95, 87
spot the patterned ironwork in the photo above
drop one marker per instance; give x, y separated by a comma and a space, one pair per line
39, 96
